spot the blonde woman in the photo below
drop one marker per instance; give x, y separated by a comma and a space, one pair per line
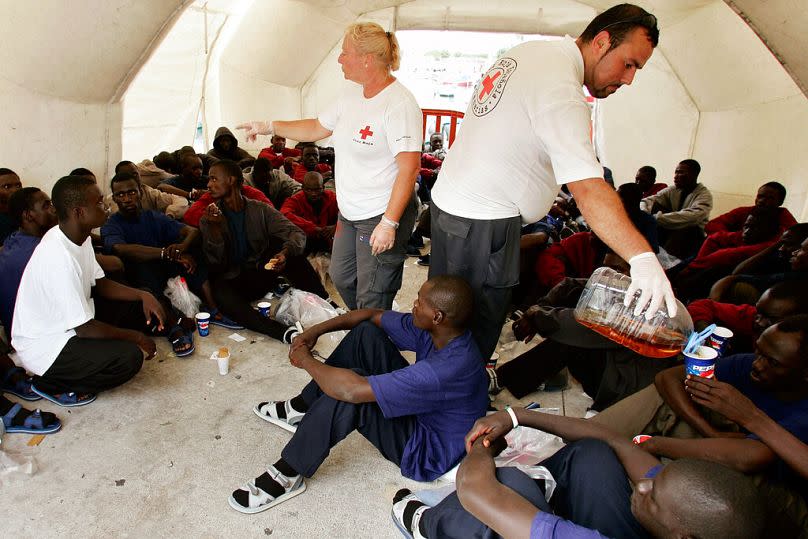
377, 137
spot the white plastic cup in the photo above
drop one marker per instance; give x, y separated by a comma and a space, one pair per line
222, 362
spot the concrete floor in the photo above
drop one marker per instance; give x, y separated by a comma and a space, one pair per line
159, 456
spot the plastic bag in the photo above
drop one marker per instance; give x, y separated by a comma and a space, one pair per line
16, 465
181, 298
309, 309
528, 446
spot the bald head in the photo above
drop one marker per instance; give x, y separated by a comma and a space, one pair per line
716, 501
453, 296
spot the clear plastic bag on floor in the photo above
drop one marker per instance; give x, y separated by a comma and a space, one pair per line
182, 298
309, 309
16, 465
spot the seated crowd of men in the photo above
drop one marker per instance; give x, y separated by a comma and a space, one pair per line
80, 309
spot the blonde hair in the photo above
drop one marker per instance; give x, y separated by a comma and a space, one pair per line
370, 38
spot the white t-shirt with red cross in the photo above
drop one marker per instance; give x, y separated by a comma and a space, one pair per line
367, 135
53, 299
526, 131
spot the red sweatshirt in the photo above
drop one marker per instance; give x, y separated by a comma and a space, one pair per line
300, 171
297, 209
725, 249
737, 318
275, 159
571, 257
734, 220
197, 209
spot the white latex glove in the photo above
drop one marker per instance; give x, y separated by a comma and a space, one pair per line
382, 239
253, 129
649, 278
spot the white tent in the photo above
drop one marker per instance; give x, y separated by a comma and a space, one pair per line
91, 82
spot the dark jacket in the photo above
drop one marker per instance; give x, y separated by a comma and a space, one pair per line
267, 232
235, 154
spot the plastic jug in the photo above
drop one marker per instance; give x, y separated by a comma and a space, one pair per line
601, 309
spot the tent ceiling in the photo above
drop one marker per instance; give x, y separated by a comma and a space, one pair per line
79, 51
93, 47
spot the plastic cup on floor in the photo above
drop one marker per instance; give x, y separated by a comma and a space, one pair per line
263, 308
222, 357
203, 324
701, 362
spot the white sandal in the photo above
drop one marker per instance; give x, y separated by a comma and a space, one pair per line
268, 411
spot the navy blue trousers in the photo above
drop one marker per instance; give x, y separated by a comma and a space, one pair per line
367, 351
593, 491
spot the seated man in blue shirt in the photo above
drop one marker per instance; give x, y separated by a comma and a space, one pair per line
416, 415
191, 182
156, 247
775, 379
592, 497
31, 210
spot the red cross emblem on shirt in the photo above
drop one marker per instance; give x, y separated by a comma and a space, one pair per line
366, 132
488, 85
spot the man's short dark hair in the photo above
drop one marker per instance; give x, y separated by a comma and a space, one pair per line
779, 187
262, 165
6, 171
648, 169
794, 291
122, 177
619, 21
717, 502
230, 168
122, 164
630, 194
20, 202
69, 193
693, 165
165, 161
797, 324
81, 171
766, 221
453, 296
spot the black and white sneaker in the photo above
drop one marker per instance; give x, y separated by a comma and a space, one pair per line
290, 334
279, 413
407, 512
493, 382
267, 490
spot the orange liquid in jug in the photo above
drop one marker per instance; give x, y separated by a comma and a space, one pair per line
640, 346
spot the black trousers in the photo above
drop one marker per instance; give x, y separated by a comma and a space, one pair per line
366, 350
234, 295
592, 491
154, 274
486, 254
91, 366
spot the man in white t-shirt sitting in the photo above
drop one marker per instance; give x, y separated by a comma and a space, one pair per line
55, 333
525, 133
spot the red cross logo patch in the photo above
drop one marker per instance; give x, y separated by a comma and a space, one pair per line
366, 132
489, 90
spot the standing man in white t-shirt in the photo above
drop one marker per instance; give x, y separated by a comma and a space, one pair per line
55, 332
527, 132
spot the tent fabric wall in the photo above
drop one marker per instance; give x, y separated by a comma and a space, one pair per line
46, 137
750, 109
64, 63
161, 107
